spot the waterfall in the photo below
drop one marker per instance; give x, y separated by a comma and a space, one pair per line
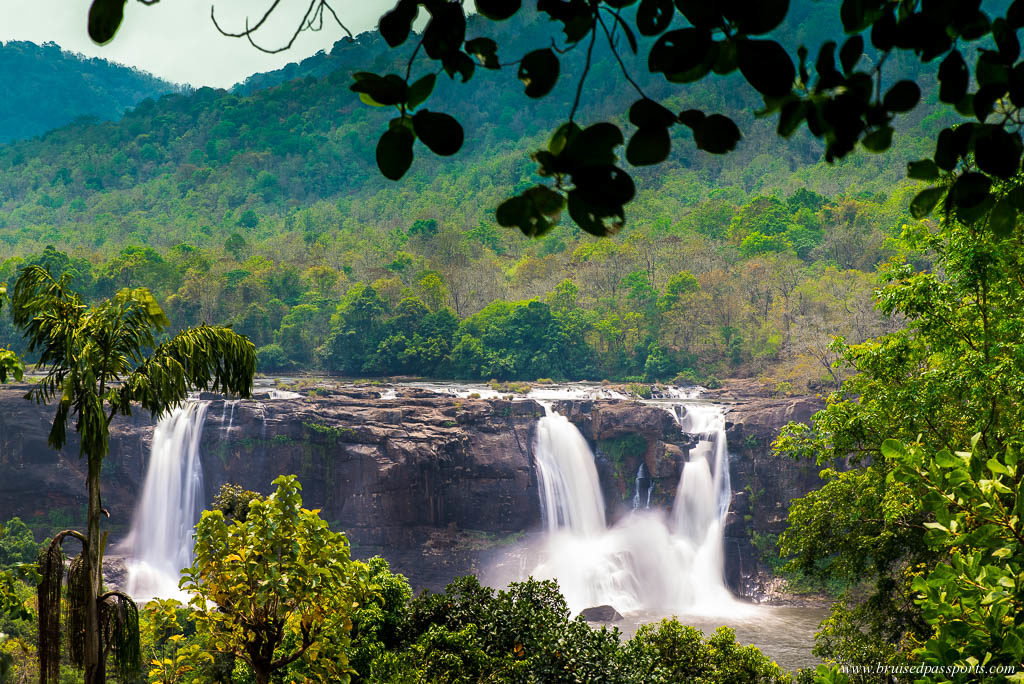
159, 544
569, 489
648, 561
643, 489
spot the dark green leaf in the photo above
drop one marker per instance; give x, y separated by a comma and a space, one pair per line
498, 10
539, 71
577, 16
446, 30
700, 13
1003, 219
648, 113
395, 25
792, 115
953, 77
878, 140
596, 219
855, 15
766, 66
654, 16
902, 97
594, 146
753, 18
534, 212
485, 50
649, 145
440, 132
951, 146
1015, 14
682, 55
828, 76
560, 138
850, 53
925, 170
420, 90
383, 90
970, 190
997, 152
925, 201
1016, 85
984, 101
104, 19
460, 63
717, 134
923, 33
884, 32
1006, 41
692, 118
394, 152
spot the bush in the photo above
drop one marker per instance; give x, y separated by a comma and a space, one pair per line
272, 358
639, 390
671, 652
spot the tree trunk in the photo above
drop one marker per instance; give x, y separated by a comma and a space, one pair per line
94, 670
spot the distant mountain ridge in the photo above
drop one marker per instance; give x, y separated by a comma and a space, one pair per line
46, 87
197, 166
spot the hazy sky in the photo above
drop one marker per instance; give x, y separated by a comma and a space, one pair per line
176, 40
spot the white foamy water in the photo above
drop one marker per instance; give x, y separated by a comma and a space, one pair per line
160, 542
570, 492
649, 560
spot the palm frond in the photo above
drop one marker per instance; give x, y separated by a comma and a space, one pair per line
205, 358
119, 623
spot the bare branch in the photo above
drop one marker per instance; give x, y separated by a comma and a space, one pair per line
312, 20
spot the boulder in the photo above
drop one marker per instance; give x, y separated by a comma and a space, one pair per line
600, 614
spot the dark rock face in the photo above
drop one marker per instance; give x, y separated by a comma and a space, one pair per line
433, 483
763, 485
600, 614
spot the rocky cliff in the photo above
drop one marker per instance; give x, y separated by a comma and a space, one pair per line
434, 483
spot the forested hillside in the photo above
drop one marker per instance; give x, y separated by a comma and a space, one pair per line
266, 211
46, 88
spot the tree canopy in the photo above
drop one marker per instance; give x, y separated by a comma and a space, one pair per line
844, 103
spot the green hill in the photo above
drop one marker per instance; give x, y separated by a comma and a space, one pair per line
266, 210
46, 88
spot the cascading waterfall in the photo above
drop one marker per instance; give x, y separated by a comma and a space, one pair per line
647, 561
569, 489
643, 489
160, 542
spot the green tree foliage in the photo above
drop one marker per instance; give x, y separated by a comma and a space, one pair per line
838, 101
276, 587
952, 373
972, 598
46, 87
670, 652
10, 364
524, 634
100, 360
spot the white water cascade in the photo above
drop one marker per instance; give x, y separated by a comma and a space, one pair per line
648, 561
160, 542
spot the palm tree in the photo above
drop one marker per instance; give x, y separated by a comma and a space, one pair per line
96, 364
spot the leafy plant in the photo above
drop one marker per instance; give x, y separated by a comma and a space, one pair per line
276, 589
97, 366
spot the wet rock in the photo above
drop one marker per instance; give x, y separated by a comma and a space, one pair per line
600, 614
